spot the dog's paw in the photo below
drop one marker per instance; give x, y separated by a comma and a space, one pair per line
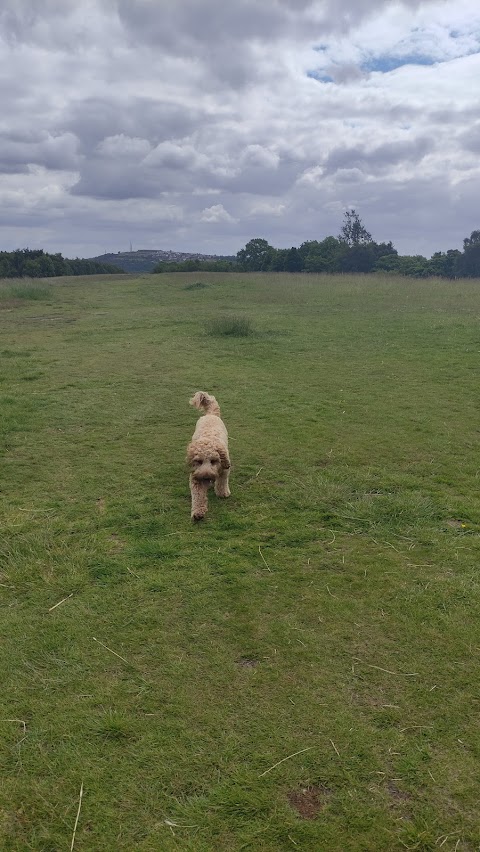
197, 516
223, 492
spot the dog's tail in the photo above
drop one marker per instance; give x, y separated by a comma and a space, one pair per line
206, 402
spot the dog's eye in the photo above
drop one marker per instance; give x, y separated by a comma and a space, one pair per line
213, 461
198, 461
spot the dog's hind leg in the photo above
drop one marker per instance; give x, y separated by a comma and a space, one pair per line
221, 484
199, 492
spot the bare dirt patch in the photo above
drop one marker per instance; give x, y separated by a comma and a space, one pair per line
397, 794
456, 524
308, 802
247, 662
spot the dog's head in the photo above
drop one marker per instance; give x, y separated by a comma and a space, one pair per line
205, 464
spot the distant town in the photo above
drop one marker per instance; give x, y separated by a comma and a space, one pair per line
143, 260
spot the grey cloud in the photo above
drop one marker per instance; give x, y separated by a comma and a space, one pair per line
211, 21
343, 15
452, 114
174, 156
221, 36
471, 139
345, 73
109, 180
122, 167
94, 118
215, 20
261, 179
379, 158
7, 168
337, 102
52, 152
175, 22
61, 25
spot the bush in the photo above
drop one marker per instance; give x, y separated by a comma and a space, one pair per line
230, 327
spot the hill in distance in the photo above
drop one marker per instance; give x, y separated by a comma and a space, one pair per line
144, 260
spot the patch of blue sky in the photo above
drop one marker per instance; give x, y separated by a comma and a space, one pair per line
321, 78
386, 63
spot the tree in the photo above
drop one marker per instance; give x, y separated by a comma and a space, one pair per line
7, 270
443, 264
414, 266
35, 263
472, 240
467, 265
358, 258
278, 260
384, 249
325, 256
353, 232
388, 263
294, 260
256, 255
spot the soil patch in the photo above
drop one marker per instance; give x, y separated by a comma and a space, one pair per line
309, 801
247, 662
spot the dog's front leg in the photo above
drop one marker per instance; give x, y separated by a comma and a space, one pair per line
199, 492
221, 484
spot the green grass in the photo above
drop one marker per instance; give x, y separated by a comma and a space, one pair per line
330, 607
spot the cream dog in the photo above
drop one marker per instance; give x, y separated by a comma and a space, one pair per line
207, 455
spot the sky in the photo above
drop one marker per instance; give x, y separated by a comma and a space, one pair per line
196, 125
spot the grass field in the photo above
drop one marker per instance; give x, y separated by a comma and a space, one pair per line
301, 670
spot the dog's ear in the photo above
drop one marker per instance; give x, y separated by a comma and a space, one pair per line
224, 459
199, 399
190, 453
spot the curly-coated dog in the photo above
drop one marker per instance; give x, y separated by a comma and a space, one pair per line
207, 455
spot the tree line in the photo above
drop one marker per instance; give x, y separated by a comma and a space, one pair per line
353, 250
35, 263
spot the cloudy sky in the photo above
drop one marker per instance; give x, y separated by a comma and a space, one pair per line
198, 124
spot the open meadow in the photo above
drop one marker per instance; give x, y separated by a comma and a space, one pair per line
299, 671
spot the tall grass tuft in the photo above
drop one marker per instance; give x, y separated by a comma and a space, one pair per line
197, 285
230, 326
30, 291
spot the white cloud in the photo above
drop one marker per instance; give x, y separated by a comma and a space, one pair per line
268, 208
214, 214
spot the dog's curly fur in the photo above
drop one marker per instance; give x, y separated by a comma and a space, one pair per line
207, 455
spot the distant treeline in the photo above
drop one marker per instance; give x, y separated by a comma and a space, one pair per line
353, 250
35, 263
